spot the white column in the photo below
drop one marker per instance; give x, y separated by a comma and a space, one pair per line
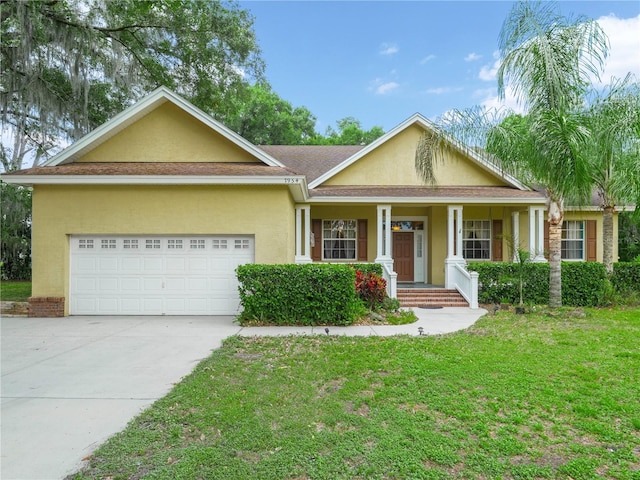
303, 234
454, 231
298, 232
383, 234
307, 231
383, 256
454, 255
450, 231
515, 227
387, 232
379, 233
536, 234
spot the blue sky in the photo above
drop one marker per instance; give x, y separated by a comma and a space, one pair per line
383, 61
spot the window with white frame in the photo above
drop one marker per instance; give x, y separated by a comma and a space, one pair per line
339, 238
476, 239
572, 240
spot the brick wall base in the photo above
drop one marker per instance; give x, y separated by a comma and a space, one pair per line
46, 307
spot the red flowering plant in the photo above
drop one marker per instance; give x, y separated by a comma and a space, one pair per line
371, 288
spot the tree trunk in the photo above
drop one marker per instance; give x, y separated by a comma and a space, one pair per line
556, 213
607, 239
555, 258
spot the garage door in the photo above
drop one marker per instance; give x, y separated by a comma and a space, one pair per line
156, 275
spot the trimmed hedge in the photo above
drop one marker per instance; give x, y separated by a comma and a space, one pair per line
367, 268
498, 282
583, 283
626, 277
305, 294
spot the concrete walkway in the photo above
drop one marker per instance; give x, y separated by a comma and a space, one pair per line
70, 383
432, 322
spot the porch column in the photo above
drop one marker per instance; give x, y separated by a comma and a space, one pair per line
515, 227
383, 249
303, 234
536, 234
383, 245
454, 232
454, 244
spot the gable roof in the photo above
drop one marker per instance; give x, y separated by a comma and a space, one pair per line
312, 165
141, 108
426, 124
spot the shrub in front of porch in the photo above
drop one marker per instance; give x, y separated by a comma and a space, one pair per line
371, 288
583, 283
305, 294
367, 268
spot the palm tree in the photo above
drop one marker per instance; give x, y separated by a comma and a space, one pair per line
614, 153
547, 61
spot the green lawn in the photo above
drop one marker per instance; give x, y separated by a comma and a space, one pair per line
11, 291
514, 397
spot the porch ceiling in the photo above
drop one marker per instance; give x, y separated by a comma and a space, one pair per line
420, 194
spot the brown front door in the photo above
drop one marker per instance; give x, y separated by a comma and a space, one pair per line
403, 255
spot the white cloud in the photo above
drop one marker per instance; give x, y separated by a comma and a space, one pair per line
388, 49
624, 57
385, 88
624, 52
472, 57
428, 58
442, 90
488, 72
488, 98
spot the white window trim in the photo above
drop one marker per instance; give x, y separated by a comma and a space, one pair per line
490, 239
565, 224
354, 239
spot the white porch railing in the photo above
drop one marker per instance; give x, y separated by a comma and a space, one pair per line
464, 281
392, 280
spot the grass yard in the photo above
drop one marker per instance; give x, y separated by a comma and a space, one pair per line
11, 291
514, 397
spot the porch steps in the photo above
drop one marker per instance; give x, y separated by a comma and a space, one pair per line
430, 297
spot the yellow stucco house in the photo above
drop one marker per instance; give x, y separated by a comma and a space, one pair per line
152, 212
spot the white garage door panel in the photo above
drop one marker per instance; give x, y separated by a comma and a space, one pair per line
108, 305
86, 264
131, 284
164, 275
131, 264
131, 306
152, 264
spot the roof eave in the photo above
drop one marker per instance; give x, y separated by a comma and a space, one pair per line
431, 200
30, 180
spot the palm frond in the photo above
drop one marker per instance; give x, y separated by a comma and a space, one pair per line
457, 131
547, 58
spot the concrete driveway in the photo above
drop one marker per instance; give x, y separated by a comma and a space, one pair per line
70, 383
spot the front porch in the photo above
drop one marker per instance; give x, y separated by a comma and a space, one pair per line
418, 246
